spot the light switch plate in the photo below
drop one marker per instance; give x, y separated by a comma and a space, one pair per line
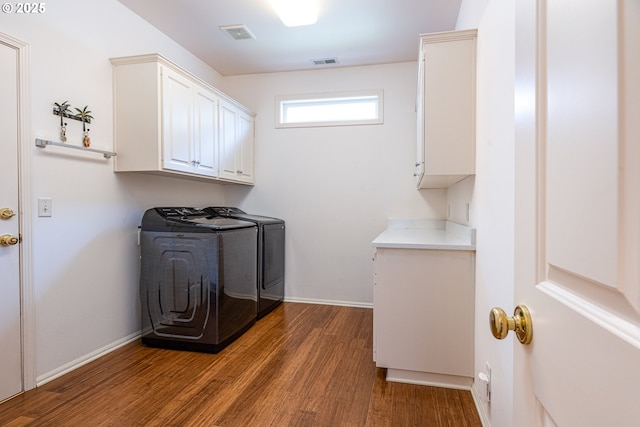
45, 206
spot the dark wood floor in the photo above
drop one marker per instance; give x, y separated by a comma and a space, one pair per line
302, 365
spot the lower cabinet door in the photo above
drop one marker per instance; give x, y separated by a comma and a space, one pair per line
424, 310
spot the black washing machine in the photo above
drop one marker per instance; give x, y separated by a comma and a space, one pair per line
198, 279
270, 256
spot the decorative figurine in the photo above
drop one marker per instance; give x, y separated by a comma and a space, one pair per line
63, 111
85, 117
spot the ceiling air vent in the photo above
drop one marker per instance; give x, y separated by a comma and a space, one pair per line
325, 61
238, 32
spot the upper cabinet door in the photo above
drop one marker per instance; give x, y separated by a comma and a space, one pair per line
446, 108
205, 132
177, 125
228, 140
246, 138
236, 143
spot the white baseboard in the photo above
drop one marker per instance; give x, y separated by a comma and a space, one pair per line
330, 302
480, 406
75, 364
430, 379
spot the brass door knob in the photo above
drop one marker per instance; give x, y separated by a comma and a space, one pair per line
6, 213
520, 323
8, 240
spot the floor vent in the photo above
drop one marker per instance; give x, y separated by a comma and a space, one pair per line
238, 32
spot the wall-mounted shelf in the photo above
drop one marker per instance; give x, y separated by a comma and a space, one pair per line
42, 143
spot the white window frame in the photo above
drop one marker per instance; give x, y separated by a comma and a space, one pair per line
283, 101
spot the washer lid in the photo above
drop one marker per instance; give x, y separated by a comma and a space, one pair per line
259, 219
231, 212
183, 219
219, 223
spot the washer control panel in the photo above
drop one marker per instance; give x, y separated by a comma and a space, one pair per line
180, 212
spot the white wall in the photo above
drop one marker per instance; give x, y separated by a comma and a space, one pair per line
461, 202
334, 186
85, 255
493, 196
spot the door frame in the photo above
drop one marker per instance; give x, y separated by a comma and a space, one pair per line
25, 152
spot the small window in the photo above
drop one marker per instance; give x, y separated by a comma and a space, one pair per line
337, 109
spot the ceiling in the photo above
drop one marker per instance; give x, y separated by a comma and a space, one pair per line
354, 32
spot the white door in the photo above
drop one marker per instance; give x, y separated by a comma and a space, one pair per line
10, 338
236, 143
578, 212
229, 144
177, 114
205, 132
246, 125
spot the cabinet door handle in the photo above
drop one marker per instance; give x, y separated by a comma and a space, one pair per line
239, 172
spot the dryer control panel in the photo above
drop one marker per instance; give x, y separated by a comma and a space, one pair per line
225, 211
180, 212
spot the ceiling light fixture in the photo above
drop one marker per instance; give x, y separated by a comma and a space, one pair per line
296, 13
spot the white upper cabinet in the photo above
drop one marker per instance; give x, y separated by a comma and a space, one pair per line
169, 122
237, 130
446, 115
205, 132
177, 122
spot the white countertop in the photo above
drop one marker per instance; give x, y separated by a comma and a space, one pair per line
426, 234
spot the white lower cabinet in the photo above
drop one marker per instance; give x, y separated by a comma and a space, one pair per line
424, 315
169, 122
